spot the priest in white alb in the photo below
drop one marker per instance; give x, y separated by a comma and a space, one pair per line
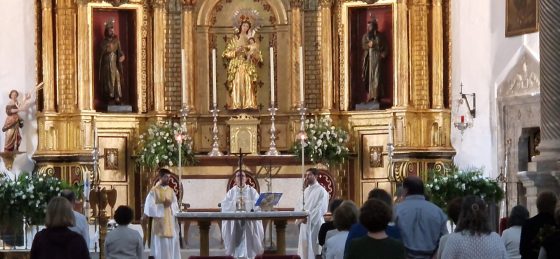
316, 204
161, 205
242, 238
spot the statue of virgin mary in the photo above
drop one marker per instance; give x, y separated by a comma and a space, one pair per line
242, 55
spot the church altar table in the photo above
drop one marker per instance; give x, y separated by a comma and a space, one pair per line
204, 219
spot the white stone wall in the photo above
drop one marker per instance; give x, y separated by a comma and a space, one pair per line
480, 54
17, 70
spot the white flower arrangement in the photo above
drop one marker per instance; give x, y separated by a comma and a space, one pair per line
159, 146
325, 143
28, 196
442, 188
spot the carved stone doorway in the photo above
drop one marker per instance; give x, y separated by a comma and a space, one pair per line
518, 121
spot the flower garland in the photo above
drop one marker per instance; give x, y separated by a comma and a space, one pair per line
458, 183
325, 143
159, 146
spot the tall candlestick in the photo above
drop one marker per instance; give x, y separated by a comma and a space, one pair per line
183, 78
95, 157
214, 94
272, 76
390, 141
301, 98
95, 137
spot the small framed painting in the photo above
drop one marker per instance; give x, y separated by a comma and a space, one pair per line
522, 16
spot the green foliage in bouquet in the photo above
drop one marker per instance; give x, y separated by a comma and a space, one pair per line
458, 183
159, 146
28, 196
324, 144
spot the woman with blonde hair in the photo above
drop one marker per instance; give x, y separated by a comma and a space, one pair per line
57, 240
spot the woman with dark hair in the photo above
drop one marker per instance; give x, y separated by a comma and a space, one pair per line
329, 225
242, 58
358, 230
550, 248
453, 211
375, 215
473, 237
344, 217
512, 234
57, 240
123, 242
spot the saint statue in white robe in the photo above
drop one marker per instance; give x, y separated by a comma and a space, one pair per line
161, 205
242, 238
316, 204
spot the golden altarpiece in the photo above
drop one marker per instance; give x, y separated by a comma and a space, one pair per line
167, 40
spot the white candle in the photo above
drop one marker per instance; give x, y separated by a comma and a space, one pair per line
214, 97
272, 76
390, 128
301, 98
95, 138
183, 78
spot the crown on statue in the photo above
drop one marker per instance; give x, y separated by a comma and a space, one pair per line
109, 23
244, 18
246, 15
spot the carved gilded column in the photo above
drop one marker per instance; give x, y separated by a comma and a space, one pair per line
295, 43
66, 56
419, 51
326, 54
159, 55
402, 89
188, 46
85, 87
437, 55
48, 55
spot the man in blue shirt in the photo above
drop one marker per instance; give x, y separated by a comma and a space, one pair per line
420, 222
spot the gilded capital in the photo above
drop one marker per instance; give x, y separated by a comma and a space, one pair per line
188, 4
82, 2
296, 3
158, 4
46, 4
325, 3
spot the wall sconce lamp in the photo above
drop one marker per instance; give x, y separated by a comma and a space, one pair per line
461, 123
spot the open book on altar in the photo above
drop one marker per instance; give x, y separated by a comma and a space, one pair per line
268, 199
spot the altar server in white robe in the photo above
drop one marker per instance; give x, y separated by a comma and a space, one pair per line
242, 238
161, 205
316, 204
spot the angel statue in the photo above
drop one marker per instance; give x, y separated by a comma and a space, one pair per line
13, 121
242, 55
